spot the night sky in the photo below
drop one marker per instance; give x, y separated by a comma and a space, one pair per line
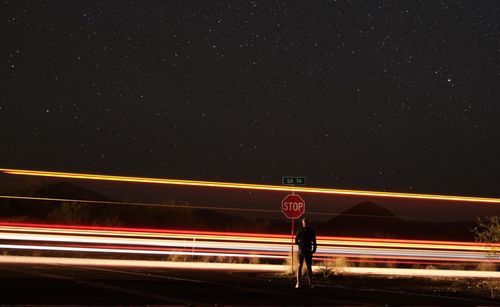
378, 95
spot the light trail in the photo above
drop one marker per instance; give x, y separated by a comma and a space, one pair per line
238, 266
228, 247
247, 186
130, 251
145, 242
235, 236
226, 244
140, 263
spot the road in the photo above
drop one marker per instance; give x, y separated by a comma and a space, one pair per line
25, 284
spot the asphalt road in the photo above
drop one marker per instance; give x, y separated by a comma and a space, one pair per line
74, 285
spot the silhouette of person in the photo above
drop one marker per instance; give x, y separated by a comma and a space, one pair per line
306, 241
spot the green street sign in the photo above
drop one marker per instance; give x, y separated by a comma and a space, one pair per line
294, 180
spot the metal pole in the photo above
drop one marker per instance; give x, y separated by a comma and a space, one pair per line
292, 245
194, 242
293, 192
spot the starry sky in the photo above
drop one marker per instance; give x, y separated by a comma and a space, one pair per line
378, 95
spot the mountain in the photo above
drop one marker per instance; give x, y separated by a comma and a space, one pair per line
374, 221
368, 209
68, 190
366, 219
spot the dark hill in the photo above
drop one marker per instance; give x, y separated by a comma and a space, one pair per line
68, 190
368, 209
374, 221
365, 219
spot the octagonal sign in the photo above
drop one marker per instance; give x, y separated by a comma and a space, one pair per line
293, 206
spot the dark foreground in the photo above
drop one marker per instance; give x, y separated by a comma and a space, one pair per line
65, 285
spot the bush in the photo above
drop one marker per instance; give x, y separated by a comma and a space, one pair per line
486, 266
334, 266
179, 258
488, 232
288, 264
70, 213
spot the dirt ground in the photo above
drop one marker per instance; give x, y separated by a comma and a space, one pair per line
467, 288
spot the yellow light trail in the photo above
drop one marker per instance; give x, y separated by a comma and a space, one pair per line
140, 263
249, 186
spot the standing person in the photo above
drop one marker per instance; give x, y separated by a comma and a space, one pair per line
306, 240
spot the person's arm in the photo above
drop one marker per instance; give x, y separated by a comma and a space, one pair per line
298, 237
314, 246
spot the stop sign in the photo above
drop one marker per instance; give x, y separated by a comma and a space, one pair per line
293, 206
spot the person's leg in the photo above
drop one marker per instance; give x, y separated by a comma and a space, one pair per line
299, 270
309, 268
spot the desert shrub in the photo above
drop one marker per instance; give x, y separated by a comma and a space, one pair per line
390, 264
287, 264
417, 266
334, 266
112, 221
227, 259
70, 213
488, 231
179, 258
486, 266
203, 258
459, 266
219, 259
254, 260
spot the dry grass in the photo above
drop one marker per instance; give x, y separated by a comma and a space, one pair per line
288, 265
217, 259
333, 266
254, 260
179, 258
487, 266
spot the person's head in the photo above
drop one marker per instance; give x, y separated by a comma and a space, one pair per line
305, 221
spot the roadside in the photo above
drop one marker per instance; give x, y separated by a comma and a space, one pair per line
473, 290
81, 284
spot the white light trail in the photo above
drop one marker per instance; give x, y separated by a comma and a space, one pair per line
92, 239
238, 266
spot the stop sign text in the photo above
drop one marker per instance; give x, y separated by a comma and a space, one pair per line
293, 206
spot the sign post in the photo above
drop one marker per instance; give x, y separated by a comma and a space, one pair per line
291, 246
293, 206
